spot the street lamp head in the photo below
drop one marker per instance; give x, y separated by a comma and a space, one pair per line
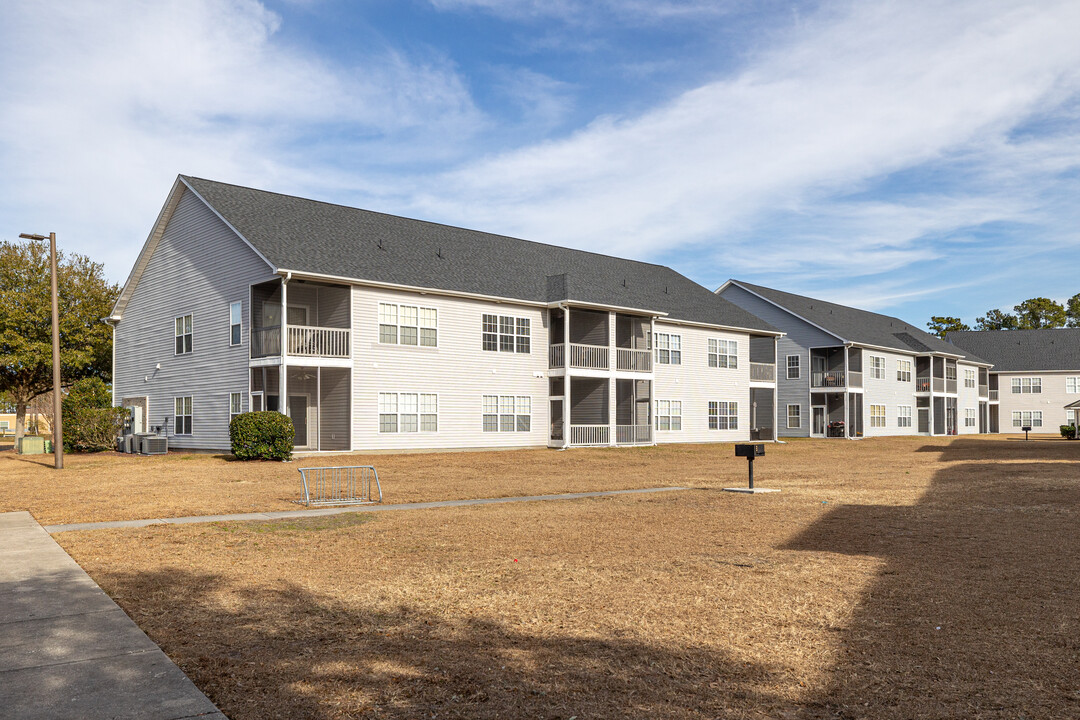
28, 236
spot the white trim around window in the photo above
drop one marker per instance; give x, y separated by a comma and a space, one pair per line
877, 414
1026, 385
401, 324
1072, 385
969, 378
668, 348
669, 415
903, 416
236, 324
877, 367
1027, 418
794, 413
506, 333
408, 412
182, 325
723, 353
794, 369
903, 371
182, 417
969, 417
506, 413
236, 406
723, 415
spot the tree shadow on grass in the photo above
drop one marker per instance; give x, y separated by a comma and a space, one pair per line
976, 612
289, 652
984, 449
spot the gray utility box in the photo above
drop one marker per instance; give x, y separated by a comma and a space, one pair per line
153, 445
749, 450
32, 445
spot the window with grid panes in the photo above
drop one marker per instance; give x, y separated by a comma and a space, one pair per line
723, 415
723, 353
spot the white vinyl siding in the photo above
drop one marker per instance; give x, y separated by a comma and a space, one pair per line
723, 415
669, 415
182, 421
903, 416
794, 367
723, 353
877, 414
794, 416
183, 335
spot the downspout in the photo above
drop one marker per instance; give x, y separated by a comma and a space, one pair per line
566, 375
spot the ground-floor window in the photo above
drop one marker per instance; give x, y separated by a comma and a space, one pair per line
969, 417
183, 415
723, 415
235, 405
1027, 418
507, 413
669, 414
877, 416
408, 412
794, 414
903, 416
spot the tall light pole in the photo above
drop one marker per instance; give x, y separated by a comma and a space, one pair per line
58, 421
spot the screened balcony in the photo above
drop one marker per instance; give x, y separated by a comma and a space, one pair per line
589, 346
317, 320
590, 419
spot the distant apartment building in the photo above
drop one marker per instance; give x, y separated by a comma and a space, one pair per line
1036, 375
845, 372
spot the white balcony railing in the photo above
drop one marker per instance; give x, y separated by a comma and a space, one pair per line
762, 372
633, 360
829, 378
557, 356
318, 341
993, 394
633, 434
590, 435
590, 357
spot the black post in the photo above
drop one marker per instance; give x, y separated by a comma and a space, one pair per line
751, 466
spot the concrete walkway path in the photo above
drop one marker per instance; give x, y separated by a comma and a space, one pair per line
282, 514
68, 651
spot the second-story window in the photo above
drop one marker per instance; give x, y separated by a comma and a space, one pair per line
506, 333
236, 318
969, 378
183, 335
903, 370
950, 372
877, 367
668, 349
794, 367
408, 325
1027, 385
723, 353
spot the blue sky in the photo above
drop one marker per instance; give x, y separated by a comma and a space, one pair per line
910, 157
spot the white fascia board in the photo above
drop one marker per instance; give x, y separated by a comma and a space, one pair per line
409, 288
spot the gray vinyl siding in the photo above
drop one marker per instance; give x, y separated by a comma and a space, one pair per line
199, 267
800, 337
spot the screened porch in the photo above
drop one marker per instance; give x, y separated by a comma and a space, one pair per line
317, 402
317, 319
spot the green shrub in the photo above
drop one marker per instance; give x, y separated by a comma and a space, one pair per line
266, 435
1068, 431
91, 424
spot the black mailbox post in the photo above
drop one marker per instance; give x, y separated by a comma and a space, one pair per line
1026, 429
750, 451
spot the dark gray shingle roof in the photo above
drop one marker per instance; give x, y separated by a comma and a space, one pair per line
860, 326
317, 237
1023, 350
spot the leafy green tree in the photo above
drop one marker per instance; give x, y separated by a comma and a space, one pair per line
997, 320
941, 324
1040, 312
85, 297
1072, 310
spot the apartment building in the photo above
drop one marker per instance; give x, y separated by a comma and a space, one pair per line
1036, 375
372, 331
845, 372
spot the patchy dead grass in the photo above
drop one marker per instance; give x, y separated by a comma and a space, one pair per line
900, 578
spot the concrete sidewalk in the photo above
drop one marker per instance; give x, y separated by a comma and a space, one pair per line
283, 514
68, 651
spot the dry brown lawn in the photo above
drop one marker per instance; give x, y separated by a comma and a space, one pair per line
896, 578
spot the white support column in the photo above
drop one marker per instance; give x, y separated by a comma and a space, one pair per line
566, 376
283, 398
847, 396
613, 386
318, 409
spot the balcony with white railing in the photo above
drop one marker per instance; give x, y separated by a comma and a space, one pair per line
584, 435
302, 340
993, 396
557, 356
633, 360
827, 379
762, 372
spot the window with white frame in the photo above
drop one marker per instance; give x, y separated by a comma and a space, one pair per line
950, 371
969, 378
1027, 385
1072, 385
794, 367
969, 417
669, 414
723, 415
408, 325
668, 349
723, 353
877, 416
507, 413
408, 412
903, 416
183, 335
506, 333
235, 405
877, 367
794, 415
903, 370
182, 425
1027, 418
236, 319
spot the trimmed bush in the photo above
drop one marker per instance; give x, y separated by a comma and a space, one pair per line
1068, 432
266, 435
91, 424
